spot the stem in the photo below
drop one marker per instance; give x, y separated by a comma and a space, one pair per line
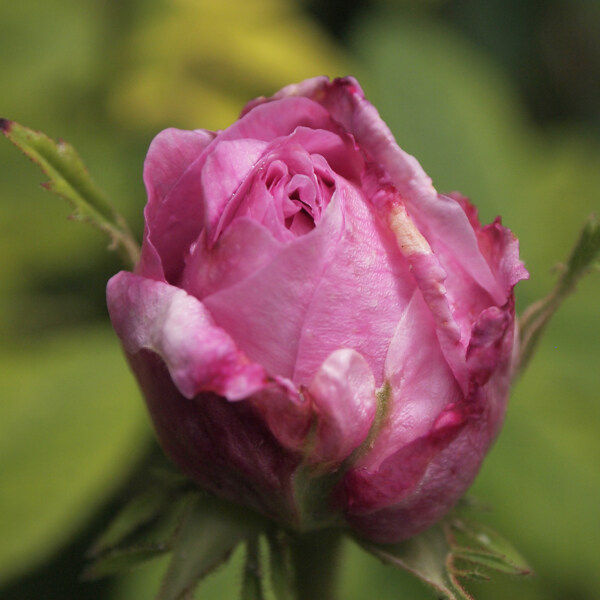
583, 257
315, 557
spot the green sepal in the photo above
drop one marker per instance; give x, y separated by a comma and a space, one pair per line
69, 179
280, 565
207, 534
144, 529
120, 561
584, 257
252, 588
455, 549
142, 509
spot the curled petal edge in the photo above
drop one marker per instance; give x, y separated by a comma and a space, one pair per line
331, 417
152, 315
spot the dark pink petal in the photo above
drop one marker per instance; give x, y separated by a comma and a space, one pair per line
444, 464
223, 446
491, 341
151, 315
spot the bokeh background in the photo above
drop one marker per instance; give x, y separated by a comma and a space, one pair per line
499, 99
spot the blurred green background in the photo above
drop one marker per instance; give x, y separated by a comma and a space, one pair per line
499, 99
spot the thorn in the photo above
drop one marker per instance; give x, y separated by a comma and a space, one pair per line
5, 125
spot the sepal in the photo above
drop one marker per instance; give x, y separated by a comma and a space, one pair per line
173, 516
455, 550
208, 533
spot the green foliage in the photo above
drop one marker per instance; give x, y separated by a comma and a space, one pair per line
582, 259
195, 63
71, 427
98, 74
70, 180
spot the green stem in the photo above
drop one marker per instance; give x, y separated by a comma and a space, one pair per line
315, 558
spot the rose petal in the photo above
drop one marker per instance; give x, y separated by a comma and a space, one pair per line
343, 396
225, 447
442, 222
267, 310
174, 213
226, 166
152, 315
422, 386
331, 417
244, 248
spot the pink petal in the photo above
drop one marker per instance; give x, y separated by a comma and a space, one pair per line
329, 419
442, 221
343, 396
224, 446
151, 315
424, 395
244, 248
174, 213
226, 166
342, 285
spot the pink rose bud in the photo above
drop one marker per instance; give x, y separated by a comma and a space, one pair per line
318, 333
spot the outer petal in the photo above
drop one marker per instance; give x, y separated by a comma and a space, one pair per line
329, 419
224, 446
442, 221
425, 409
152, 315
343, 396
174, 213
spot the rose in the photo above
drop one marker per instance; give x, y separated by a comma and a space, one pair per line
318, 334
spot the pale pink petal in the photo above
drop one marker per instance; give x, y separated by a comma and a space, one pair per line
329, 419
360, 297
151, 315
343, 397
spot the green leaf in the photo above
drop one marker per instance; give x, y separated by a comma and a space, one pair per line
70, 180
209, 531
71, 428
143, 529
584, 256
137, 546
